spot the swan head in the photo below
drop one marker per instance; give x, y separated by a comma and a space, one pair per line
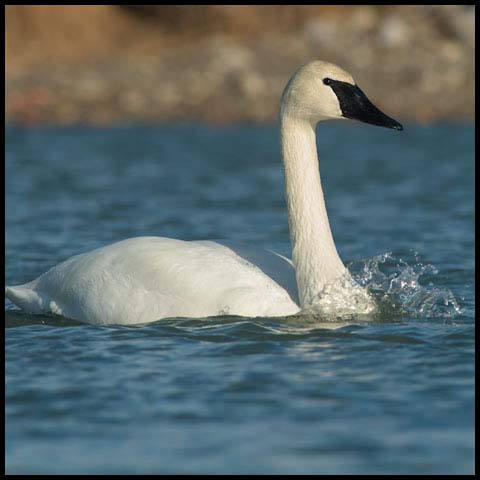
322, 91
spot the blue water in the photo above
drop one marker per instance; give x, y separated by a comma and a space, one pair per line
237, 395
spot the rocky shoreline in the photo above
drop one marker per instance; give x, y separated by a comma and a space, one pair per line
417, 63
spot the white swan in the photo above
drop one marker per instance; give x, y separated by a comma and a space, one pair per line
149, 278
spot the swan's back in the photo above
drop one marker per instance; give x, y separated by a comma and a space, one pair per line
149, 278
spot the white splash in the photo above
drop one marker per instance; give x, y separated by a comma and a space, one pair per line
406, 287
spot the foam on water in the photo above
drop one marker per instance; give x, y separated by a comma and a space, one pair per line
342, 299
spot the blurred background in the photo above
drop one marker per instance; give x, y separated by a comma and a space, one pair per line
109, 63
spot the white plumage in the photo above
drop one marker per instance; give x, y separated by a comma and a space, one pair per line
147, 278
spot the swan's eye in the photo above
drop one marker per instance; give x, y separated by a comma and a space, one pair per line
327, 81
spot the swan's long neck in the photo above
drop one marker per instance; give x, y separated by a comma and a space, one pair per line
314, 254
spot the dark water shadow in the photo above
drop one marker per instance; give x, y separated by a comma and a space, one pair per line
17, 318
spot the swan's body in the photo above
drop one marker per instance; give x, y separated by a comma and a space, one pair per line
143, 279
149, 278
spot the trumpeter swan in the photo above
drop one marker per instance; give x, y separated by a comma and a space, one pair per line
145, 279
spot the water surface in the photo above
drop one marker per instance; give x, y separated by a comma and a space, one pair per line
236, 395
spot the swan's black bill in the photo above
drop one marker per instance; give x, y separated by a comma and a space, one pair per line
356, 106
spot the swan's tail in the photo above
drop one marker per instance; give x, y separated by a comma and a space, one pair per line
25, 298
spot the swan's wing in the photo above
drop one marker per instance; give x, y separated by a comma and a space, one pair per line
148, 278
